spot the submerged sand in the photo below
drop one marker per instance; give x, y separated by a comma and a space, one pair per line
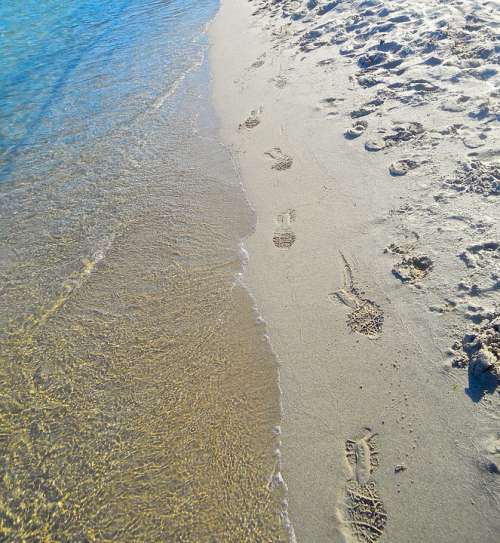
366, 135
138, 394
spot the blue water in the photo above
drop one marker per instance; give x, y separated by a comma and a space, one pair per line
70, 71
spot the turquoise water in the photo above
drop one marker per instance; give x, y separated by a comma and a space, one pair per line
71, 71
137, 390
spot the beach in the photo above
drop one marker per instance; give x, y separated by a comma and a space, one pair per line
366, 138
249, 271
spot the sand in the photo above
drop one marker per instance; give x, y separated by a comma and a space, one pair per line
366, 136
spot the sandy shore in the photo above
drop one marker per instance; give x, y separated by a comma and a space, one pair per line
366, 135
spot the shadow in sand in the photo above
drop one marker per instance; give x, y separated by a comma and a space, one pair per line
481, 385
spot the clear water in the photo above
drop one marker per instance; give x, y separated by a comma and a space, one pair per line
72, 71
137, 391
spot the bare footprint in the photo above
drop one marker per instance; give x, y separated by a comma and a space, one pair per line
284, 237
281, 161
366, 317
360, 510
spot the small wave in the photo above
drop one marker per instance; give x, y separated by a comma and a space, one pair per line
68, 288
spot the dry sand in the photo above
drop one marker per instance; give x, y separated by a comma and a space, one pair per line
366, 136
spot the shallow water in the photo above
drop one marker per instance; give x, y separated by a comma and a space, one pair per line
137, 390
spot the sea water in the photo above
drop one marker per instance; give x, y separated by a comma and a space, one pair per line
137, 390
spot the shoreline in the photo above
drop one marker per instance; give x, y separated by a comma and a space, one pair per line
362, 354
139, 394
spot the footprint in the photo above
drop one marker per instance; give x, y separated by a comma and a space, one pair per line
375, 145
413, 268
253, 119
366, 317
331, 104
479, 349
362, 456
281, 161
405, 246
367, 109
474, 138
402, 167
259, 62
280, 81
455, 104
362, 112
284, 237
404, 132
478, 177
361, 511
327, 62
356, 130
481, 255
491, 449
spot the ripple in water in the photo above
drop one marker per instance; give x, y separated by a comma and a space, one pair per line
138, 393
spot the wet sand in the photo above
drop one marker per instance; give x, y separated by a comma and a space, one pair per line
374, 262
